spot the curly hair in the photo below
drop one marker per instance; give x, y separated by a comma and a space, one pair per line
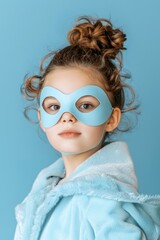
94, 45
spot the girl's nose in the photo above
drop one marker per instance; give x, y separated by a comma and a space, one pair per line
68, 117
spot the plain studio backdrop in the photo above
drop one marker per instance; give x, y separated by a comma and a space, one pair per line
29, 30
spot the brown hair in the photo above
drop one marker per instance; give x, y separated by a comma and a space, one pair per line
94, 45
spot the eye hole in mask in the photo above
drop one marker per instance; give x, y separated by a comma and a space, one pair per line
51, 105
85, 104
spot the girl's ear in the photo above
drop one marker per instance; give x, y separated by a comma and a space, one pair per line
39, 119
114, 120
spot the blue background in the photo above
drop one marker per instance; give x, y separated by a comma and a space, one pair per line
28, 30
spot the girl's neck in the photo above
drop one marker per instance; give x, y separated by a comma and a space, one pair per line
72, 161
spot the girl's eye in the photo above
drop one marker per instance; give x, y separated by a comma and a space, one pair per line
54, 107
86, 107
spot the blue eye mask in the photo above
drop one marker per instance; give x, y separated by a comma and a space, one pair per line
95, 117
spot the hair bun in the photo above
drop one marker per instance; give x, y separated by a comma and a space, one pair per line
99, 35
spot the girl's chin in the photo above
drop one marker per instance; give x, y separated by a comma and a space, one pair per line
88, 152
76, 150
67, 152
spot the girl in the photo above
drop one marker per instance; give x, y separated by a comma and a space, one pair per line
91, 191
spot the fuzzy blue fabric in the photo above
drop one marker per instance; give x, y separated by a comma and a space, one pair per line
98, 201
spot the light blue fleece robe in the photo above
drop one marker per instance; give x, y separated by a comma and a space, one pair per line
98, 201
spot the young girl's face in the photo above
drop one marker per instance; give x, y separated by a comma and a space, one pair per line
68, 135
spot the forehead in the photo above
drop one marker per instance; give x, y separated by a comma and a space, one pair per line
68, 80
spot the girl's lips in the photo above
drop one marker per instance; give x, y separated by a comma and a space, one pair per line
69, 134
